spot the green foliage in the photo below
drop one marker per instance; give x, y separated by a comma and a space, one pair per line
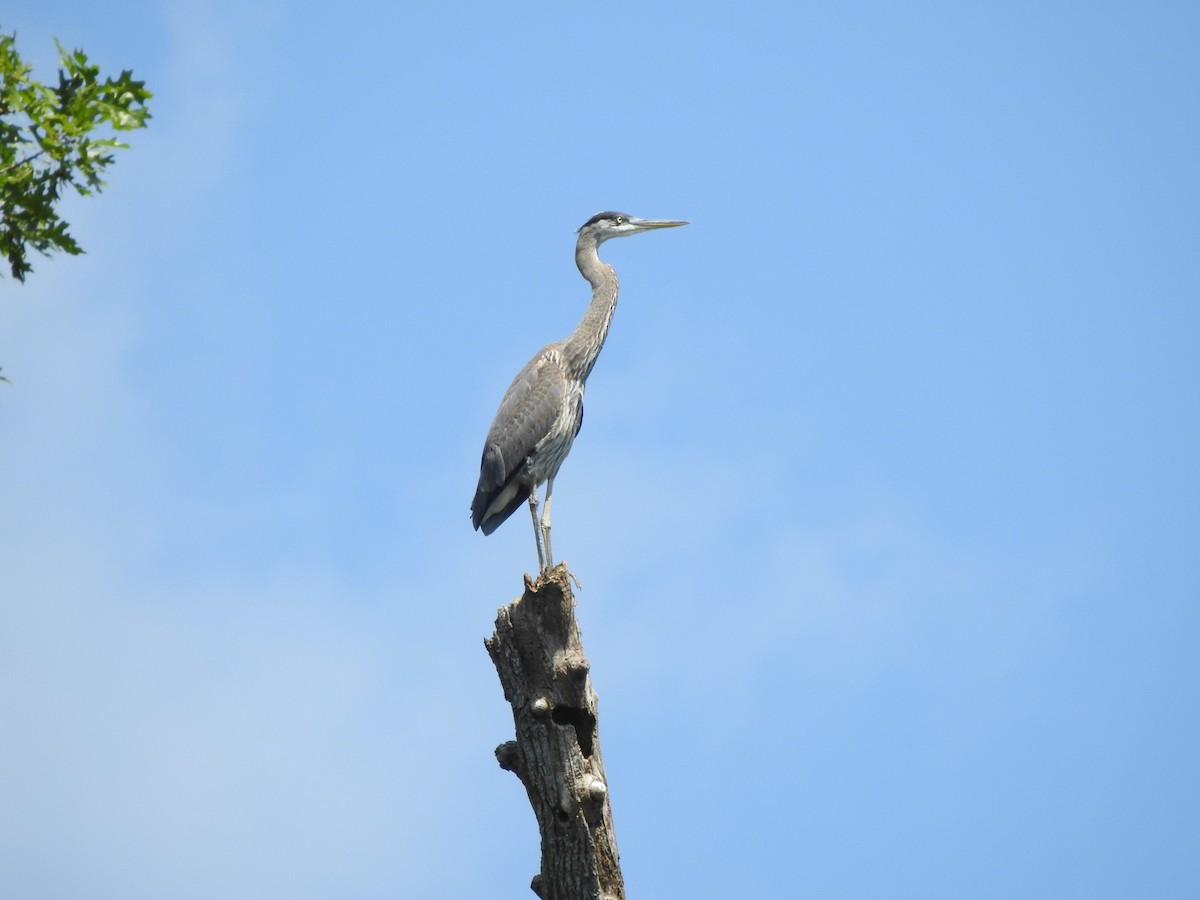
54, 138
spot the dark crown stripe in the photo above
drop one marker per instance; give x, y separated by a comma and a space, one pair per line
609, 214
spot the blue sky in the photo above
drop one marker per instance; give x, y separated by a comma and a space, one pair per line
885, 509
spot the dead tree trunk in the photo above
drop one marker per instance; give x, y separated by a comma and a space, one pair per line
539, 656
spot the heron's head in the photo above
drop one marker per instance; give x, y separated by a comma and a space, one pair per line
605, 225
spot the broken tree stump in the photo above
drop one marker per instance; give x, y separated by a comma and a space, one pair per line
539, 657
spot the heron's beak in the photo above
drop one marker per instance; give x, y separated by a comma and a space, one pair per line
647, 224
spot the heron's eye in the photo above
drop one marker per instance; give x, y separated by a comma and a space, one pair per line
620, 220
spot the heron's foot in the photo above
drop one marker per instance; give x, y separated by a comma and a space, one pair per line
549, 569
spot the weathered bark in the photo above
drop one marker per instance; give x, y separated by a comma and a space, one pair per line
539, 656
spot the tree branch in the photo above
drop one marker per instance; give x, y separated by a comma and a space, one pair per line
21, 162
539, 657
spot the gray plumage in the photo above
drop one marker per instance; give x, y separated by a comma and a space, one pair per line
543, 408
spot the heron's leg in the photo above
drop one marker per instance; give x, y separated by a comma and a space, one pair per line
537, 529
546, 521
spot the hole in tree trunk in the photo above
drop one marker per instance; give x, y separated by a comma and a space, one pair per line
582, 721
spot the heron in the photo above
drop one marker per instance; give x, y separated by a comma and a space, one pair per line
542, 409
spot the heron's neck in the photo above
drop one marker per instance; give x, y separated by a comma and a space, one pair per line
583, 346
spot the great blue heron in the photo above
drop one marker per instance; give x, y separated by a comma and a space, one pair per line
543, 408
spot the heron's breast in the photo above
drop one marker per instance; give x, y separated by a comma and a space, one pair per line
551, 450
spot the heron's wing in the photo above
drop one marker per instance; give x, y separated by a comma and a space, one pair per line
527, 413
